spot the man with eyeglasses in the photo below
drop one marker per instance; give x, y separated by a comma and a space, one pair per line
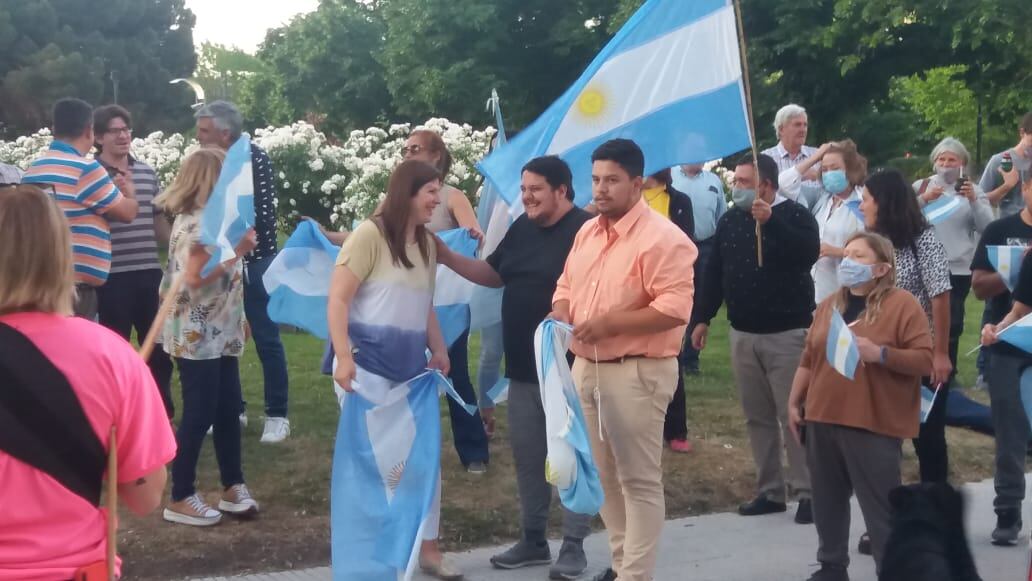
86, 194
129, 298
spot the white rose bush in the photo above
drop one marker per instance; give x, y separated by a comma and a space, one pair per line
335, 183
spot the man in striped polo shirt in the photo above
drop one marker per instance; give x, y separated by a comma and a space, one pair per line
88, 197
129, 298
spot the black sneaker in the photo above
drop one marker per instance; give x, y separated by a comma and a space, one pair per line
523, 554
571, 562
607, 575
864, 546
1008, 525
830, 573
804, 512
761, 505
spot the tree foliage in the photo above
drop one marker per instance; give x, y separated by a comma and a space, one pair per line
51, 49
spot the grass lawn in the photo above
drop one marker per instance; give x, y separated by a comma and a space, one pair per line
291, 480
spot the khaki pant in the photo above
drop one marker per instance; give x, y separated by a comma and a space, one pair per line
764, 367
633, 399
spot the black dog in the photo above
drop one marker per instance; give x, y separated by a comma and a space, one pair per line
927, 542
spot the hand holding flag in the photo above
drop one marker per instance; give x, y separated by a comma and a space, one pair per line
841, 347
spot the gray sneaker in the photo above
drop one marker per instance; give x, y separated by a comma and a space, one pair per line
523, 554
571, 562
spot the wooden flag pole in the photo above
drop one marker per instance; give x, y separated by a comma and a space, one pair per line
749, 111
167, 303
112, 505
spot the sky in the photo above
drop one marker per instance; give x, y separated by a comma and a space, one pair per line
243, 23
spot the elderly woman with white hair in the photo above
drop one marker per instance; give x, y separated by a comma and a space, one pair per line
958, 229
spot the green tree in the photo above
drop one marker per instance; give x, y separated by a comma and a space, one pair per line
223, 71
57, 48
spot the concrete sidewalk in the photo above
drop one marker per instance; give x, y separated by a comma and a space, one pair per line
728, 547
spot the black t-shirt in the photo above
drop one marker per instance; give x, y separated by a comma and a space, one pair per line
1009, 231
855, 305
1023, 292
530, 259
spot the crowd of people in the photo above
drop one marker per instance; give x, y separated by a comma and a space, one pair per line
809, 239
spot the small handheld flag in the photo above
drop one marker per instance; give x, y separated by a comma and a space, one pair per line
229, 213
942, 208
841, 348
1007, 261
1019, 333
928, 401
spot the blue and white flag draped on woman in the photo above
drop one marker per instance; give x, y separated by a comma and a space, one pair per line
671, 80
569, 464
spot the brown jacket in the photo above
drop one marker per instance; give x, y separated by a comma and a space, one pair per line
884, 399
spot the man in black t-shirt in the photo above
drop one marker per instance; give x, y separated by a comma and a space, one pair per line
528, 262
1006, 366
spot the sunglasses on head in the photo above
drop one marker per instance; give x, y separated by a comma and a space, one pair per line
411, 149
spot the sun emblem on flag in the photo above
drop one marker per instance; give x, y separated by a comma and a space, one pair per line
591, 102
394, 477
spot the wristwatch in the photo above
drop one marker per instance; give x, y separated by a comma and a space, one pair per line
884, 354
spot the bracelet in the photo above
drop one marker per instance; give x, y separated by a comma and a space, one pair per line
884, 354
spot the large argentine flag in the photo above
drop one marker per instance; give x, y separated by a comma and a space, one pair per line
298, 280
1007, 261
569, 464
229, 213
452, 293
386, 471
841, 348
670, 79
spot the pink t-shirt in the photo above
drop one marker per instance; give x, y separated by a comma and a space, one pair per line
46, 531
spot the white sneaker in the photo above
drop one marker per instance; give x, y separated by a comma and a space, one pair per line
276, 430
192, 511
237, 500
243, 420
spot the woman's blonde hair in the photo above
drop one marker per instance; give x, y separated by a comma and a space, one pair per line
856, 164
194, 182
36, 268
886, 254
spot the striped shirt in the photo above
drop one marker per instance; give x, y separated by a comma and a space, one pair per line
133, 245
84, 192
786, 161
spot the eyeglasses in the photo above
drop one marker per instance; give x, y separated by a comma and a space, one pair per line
119, 131
411, 149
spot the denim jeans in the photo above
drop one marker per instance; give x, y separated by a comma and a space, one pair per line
127, 301
211, 397
467, 430
265, 333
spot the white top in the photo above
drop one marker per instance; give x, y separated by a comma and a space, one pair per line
836, 223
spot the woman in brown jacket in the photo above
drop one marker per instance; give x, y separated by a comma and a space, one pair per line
854, 428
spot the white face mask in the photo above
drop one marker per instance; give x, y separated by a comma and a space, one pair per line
950, 175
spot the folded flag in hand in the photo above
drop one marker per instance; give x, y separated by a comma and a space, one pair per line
298, 280
942, 208
841, 348
229, 213
1007, 261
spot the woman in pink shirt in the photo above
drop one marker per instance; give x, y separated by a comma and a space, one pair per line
66, 382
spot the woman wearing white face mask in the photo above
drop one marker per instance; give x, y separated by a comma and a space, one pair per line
853, 429
842, 172
958, 229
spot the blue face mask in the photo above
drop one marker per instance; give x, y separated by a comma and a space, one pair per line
853, 274
834, 181
743, 199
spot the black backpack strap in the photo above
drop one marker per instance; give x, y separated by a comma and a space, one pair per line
42, 422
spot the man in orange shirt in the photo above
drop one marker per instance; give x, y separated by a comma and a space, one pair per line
627, 289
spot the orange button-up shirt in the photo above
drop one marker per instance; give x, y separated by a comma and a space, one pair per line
641, 260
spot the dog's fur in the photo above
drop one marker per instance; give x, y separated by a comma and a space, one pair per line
927, 542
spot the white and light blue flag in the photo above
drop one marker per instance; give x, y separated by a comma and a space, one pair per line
298, 280
942, 208
671, 80
452, 293
386, 474
569, 464
928, 397
1019, 333
229, 213
841, 348
1007, 261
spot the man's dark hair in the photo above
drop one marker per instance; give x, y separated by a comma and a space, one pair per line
103, 116
1026, 123
554, 170
71, 118
765, 164
624, 153
899, 217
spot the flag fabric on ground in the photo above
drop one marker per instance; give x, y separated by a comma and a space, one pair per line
569, 464
841, 348
229, 213
1007, 261
942, 208
927, 401
1019, 333
670, 79
386, 474
452, 293
298, 280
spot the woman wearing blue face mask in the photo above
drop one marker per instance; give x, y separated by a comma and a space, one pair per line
853, 429
841, 172
958, 226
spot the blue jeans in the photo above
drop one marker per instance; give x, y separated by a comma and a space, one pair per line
467, 430
689, 356
266, 337
490, 370
211, 398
